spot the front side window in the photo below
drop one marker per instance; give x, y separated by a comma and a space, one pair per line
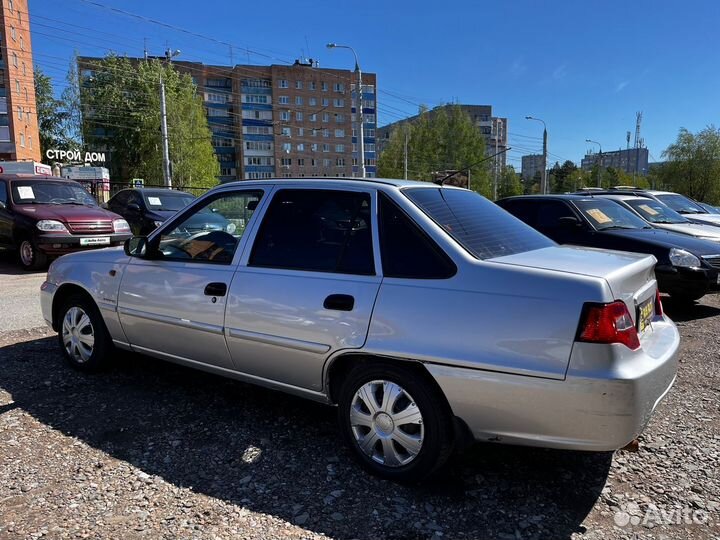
211, 232
316, 230
481, 227
3, 192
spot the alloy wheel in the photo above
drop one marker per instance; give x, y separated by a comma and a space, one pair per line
78, 334
386, 423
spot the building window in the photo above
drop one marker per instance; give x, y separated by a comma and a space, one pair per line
339, 118
313, 147
313, 101
22, 140
324, 87
313, 117
283, 83
369, 118
26, 94
326, 133
19, 110
247, 98
326, 117
369, 147
340, 148
325, 102
286, 161
10, 5
326, 148
301, 162
301, 147
298, 116
298, 100
23, 68
326, 162
15, 60
339, 102
298, 85
287, 147
285, 116
313, 85
370, 132
22, 44
340, 162
301, 132
12, 33
286, 132
339, 132
339, 87
283, 100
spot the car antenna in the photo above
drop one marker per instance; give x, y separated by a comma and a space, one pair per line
449, 176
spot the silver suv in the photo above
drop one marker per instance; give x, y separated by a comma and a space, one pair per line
426, 314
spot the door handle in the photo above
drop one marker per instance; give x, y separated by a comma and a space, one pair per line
216, 289
339, 302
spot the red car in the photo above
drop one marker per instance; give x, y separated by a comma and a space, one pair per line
45, 216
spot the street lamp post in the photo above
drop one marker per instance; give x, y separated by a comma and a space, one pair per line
543, 176
167, 176
358, 108
597, 161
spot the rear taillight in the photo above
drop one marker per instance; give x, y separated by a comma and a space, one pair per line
608, 323
658, 304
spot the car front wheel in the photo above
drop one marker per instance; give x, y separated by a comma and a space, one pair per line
397, 424
83, 337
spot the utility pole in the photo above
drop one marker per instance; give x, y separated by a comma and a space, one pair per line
497, 162
543, 175
406, 151
598, 161
358, 109
164, 129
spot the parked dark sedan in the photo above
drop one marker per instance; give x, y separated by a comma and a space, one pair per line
687, 267
145, 209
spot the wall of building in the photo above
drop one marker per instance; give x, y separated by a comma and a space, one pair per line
19, 138
629, 160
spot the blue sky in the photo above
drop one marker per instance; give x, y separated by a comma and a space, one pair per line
585, 67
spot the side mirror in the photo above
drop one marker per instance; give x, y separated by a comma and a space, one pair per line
135, 207
2, 205
137, 246
569, 222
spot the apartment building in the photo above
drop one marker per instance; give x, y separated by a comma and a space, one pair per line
493, 129
284, 120
630, 160
531, 165
19, 140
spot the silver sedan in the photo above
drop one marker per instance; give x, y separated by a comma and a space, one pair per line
426, 314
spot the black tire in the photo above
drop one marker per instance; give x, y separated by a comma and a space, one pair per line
30, 256
436, 421
75, 352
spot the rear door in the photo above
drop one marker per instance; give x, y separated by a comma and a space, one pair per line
6, 220
307, 287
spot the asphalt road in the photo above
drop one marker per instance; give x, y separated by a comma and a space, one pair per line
19, 299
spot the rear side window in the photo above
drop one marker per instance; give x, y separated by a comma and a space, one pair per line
481, 227
407, 252
3, 192
316, 230
550, 212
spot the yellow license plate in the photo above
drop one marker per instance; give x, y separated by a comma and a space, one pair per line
645, 315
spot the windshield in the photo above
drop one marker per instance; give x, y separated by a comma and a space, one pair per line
481, 227
710, 208
604, 215
655, 211
681, 204
50, 192
171, 202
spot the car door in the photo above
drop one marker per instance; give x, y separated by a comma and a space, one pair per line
173, 305
307, 287
6, 220
556, 220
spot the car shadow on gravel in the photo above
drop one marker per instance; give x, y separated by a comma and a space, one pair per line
683, 311
280, 455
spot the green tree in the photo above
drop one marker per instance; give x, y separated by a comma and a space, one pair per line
561, 177
444, 139
121, 111
693, 164
510, 183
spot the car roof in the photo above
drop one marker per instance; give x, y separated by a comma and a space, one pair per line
552, 196
624, 197
336, 181
153, 191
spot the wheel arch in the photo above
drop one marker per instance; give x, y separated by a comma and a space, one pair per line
339, 367
65, 291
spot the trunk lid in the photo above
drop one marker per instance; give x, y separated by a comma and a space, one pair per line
631, 276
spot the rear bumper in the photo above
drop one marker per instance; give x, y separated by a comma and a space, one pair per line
687, 281
60, 244
605, 401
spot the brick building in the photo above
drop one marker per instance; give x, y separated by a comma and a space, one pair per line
19, 139
282, 121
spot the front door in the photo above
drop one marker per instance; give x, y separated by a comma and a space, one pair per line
173, 304
6, 218
308, 286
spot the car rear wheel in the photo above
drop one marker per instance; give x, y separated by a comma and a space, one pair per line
82, 334
31, 257
396, 423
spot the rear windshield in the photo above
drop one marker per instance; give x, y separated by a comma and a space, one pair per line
605, 215
167, 201
50, 192
481, 227
681, 204
655, 211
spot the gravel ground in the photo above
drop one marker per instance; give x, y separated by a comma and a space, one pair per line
153, 450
